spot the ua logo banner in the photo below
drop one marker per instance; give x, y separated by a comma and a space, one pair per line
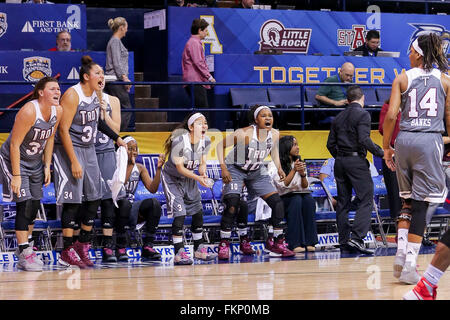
211, 37
429, 28
3, 24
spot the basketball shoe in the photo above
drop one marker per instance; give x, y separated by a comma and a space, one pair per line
148, 252
69, 257
83, 252
108, 255
182, 258
409, 274
28, 260
422, 291
224, 249
280, 249
245, 247
202, 253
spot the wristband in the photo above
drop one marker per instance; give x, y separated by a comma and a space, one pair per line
303, 176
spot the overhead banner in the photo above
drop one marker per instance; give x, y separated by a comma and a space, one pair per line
32, 66
293, 32
297, 69
35, 26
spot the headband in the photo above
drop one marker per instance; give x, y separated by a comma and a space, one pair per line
416, 47
129, 139
255, 114
194, 117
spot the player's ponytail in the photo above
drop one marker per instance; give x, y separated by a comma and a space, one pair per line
433, 52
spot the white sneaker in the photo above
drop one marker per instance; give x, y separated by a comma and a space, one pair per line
399, 262
409, 275
182, 258
28, 261
202, 253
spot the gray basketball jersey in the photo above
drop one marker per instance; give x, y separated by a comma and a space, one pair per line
251, 156
192, 154
132, 183
84, 125
34, 142
103, 143
423, 103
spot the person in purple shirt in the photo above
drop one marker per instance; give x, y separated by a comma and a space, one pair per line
194, 64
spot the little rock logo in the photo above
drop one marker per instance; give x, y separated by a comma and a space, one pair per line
288, 40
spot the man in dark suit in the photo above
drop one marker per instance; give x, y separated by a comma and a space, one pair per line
371, 46
348, 142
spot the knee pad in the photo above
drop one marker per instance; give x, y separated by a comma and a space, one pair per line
35, 206
231, 203
23, 215
150, 207
197, 222
277, 206
89, 215
404, 215
177, 226
445, 239
242, 216
419, 214
107, 214
68, 215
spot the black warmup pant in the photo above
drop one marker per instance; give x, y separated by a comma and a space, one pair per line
353, 172
122, 94
390, 180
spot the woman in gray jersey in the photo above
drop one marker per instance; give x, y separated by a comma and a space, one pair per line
23, 170
245, 165
187, 147
77, 174
106, 157
421, 94
131, 212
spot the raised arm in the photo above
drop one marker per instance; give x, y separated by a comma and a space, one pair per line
69, 103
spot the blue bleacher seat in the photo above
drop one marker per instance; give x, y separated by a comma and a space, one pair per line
310, 93
383, 94
287, 97
371, 99
247, 97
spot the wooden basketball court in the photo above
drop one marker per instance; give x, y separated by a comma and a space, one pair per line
323, 275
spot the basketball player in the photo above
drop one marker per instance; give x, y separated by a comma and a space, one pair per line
76, 169
132, 212
187, 147
23, 170
106, 157
244, 165
420, 95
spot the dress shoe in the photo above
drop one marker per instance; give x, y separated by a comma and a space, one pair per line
355, 244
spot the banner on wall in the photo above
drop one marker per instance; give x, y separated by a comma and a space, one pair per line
240, 31
297, 69
35, 26
31, 66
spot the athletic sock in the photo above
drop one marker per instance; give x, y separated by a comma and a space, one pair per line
412, 251
85, 236
402, 242
433, 274
67, 242
225, 235
177, 243
23, 246
198, 239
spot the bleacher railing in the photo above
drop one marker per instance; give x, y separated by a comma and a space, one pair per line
192, 108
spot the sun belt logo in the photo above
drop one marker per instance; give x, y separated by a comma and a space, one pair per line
35, 68
352, 38
430, 28
289, 40
3, 24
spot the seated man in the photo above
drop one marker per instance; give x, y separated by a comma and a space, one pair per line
335, 95
371, 46
63, 42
